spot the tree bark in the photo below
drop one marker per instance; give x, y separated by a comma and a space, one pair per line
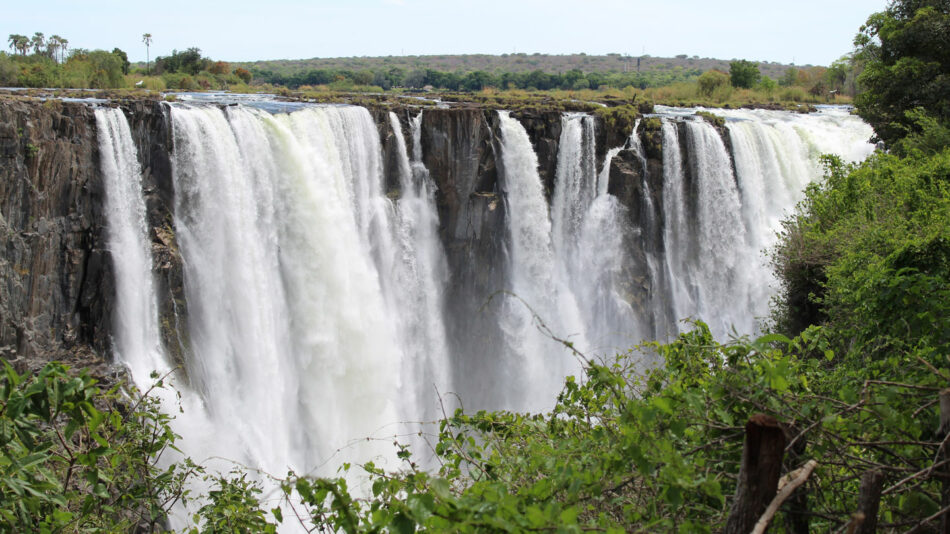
795, 511
869, 499
759, 473
945, 470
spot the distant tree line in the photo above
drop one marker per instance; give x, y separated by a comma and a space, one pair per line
574, 79
40, 62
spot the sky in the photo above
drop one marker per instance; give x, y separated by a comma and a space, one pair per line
801, 32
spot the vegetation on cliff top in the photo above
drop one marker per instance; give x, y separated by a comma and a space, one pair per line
678, 82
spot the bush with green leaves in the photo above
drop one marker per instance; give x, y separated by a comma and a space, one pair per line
867, 254
74, 458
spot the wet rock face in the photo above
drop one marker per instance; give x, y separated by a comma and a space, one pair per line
152, 132
460, 150
544, 131
55, 278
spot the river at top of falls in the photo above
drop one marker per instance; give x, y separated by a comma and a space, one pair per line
315, 296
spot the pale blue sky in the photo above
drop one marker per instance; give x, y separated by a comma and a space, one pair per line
804, 31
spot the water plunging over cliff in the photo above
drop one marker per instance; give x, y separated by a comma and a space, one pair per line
316, 273
137, 341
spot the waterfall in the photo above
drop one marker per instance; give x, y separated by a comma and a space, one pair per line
603, 179
138, 343
279, 219
719, 222
576, 184
679, 234
591, 235
316, 303
539, 293
419, 276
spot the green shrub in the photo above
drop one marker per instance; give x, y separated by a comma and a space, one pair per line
711, 80
75, 460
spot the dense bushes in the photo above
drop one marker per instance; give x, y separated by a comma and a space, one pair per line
872, 241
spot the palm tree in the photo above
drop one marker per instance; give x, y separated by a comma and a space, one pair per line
38, 41
147, 39
63, 45
23, 44
14, 40
52, 45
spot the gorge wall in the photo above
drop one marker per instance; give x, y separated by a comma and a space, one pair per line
336, 272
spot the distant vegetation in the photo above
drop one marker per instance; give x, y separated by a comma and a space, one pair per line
49, 63
40, 62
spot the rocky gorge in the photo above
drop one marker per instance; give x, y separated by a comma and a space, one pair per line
319, 274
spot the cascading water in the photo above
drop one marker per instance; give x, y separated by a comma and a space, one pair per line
138, 344
315, 297
575, 186
590, 236
292, 345
718, 223
720, 259
539, 291
419, 278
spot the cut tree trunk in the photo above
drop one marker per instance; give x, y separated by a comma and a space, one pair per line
759, 473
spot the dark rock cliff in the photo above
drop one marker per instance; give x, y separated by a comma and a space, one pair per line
152, 132
460, 150
636, 179
56, 289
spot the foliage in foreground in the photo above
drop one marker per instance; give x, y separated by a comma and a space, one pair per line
74, 458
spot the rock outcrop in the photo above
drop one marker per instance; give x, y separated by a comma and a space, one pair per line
56, 283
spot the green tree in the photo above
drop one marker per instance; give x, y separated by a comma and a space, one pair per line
711, 80
124, 58
19, 43
106, 70
743, 73
63, 46
74, 461
9, 71
38, 42
53, 45
790, 77
362, 77
907, 66
15, 39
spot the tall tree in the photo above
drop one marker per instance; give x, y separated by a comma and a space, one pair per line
63, 45
13, 39
147, 39
906, 50
38, 42
23, 44
18, 43
119, 53
52, 46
